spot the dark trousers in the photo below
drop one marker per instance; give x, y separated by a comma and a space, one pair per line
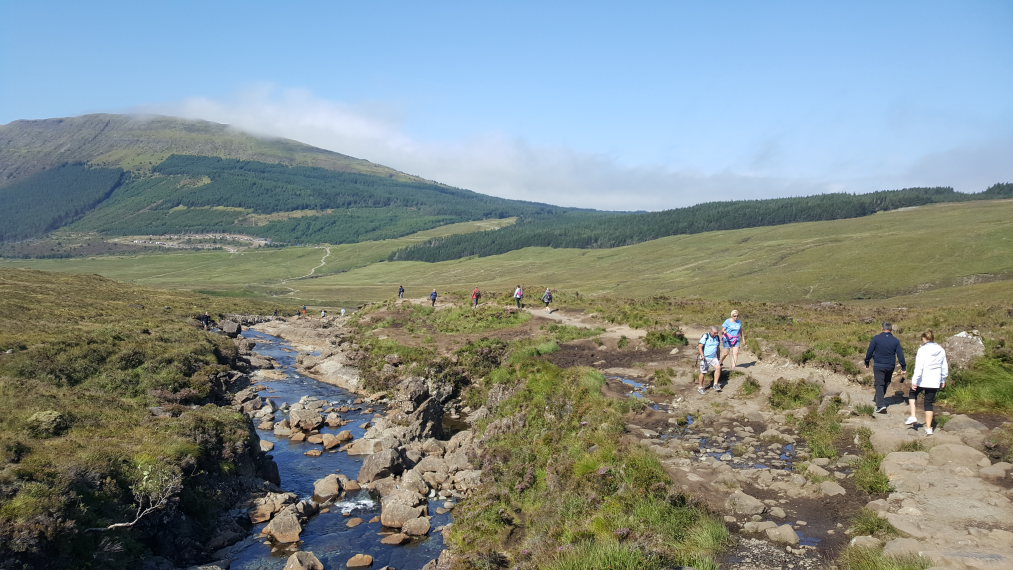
882, 382
518, 299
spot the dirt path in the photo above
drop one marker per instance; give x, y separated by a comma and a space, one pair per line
743, 459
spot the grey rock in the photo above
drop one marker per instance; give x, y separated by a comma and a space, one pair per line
743, 504
381, 464
783, 534
303, 561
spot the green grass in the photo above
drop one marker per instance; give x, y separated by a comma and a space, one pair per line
821, 430
749, 388
868, 476
856, 558
793, 394
100, 353
986, 386
865, 409
567, 333
868, 522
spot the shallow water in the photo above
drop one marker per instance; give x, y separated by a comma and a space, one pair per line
326, 534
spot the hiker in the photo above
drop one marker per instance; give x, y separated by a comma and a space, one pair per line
323, 313
432, 296
518, 296
205, 320
547, 298
885, 351
708, 349
342, 311
731, 338
931, 371
475, 296
400, 291
305, 310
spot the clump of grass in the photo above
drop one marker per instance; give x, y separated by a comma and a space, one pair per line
868, 476
821, 429
941, 420
620, 556
868, 522
566, 333
791, 395
987, 386
663, 376
913, 445
865, 409
749, 388
624, 341
665, 338
857, 558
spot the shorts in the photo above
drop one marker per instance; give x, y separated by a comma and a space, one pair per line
708, 364
930, 396
730, 341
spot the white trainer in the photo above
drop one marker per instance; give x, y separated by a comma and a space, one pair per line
928, 431
910, 420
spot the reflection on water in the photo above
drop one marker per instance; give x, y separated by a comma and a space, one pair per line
326, 534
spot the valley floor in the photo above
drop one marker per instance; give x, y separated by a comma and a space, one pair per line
944, 498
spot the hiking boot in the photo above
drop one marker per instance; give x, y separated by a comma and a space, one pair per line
881, 410
928, 431
701, 390
910, 420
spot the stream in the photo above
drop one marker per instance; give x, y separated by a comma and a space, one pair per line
326, 534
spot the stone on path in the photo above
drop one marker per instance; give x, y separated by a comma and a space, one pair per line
783, 534
831, 489
742, 504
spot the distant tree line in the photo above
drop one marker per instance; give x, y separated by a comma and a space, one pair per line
53, 198
597, 230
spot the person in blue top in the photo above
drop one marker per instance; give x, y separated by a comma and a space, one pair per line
885, 351
400, 291
709, 347
732, 338
432, 296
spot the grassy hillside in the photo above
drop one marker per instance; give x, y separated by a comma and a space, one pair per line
140, 143
81, 361
113, 175
939, 252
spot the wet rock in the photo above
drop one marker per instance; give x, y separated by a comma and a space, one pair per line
264, 507
381, 464
284, 528
353, 522
416, 527
266, 445
396, 539
305, 419
359, 561
831, 489
783, 534
742, 504
327, 488
303, 561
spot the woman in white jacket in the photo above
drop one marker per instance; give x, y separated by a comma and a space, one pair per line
929, 377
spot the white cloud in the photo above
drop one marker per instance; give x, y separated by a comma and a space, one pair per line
510, 167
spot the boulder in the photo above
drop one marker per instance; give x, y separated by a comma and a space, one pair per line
783, 534
266, 445
963, 347
283, 528
398, 508
364, 446
48, 423
344, 435
468, 480
327, 488
329, 441
396, 539
303, 561
957, 454
382, 464
264, 507
866, 542
359, 561
305, 419
831, 489
416, 527
995, 473
231, 328
742, 504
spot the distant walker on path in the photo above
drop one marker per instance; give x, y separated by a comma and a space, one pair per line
432, 297
400, 291
519, 296
885, 351
475, 296
732, 338
547, 298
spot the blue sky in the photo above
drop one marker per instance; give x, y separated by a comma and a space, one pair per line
634, 105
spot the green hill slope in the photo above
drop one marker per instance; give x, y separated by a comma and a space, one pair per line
112, 175
935, 252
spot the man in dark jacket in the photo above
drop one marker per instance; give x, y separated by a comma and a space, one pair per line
885, 351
